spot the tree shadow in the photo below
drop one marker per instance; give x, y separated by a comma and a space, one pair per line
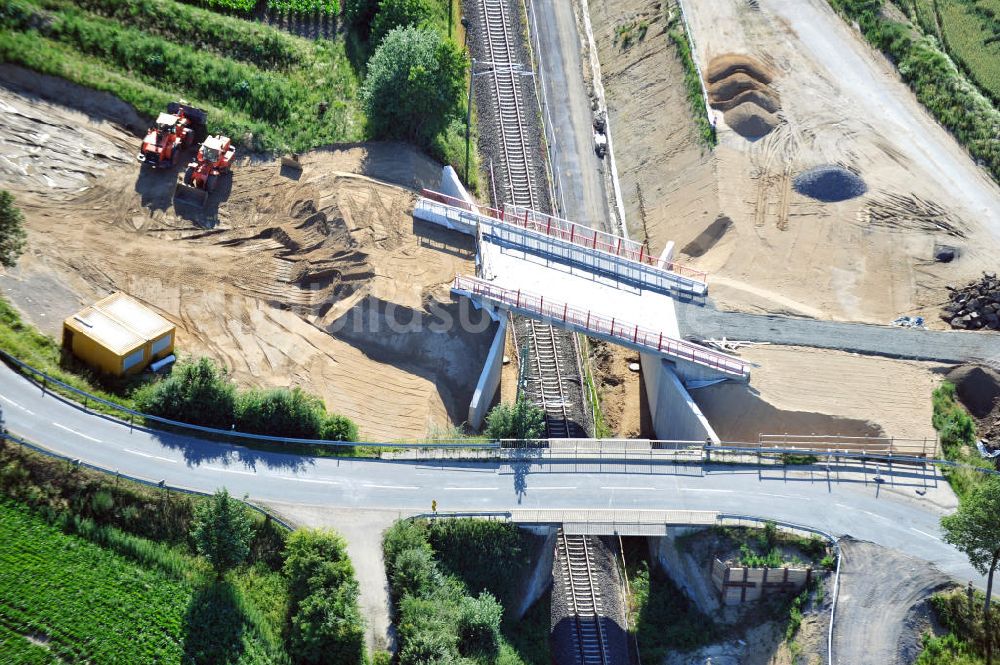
214, 625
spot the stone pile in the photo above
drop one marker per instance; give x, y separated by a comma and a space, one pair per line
976, 306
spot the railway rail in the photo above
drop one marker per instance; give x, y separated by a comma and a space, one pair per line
554, 381
583, 598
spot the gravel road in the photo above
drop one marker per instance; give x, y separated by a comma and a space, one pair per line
878, 587
701, 321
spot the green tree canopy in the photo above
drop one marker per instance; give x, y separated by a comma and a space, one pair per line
198, 392
222, 531
398, 14
975, 530
414, 85
12, 235
325, 625
520, 420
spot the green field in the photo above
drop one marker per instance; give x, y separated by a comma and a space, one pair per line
971, 31
264, 87
89, 603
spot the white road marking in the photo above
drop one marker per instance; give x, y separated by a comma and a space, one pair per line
391, 487
16, 405
779, 496
876, 516
472, 489
141, 454
311, 480
629, 487
549, 489
924, 533
219, 468
703, 489
89, 438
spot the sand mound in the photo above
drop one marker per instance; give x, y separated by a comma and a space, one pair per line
726, 65
978, 388
830, 183
738, 86
750, 121
727, 88
764, 97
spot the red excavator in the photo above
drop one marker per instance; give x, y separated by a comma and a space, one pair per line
175, 130
214, 158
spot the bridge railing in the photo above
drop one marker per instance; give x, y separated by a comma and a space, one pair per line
590, 322
569, 233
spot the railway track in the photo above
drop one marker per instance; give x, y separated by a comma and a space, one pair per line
554, 381
517, 162
584, 600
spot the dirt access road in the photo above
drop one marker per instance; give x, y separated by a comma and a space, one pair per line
879, 591
323, 281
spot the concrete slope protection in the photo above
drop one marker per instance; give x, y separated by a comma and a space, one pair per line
892, 513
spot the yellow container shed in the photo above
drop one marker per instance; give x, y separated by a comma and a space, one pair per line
118, 335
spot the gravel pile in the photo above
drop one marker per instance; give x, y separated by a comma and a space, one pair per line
976, 306
830, 183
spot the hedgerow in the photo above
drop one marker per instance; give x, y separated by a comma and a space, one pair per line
200, 393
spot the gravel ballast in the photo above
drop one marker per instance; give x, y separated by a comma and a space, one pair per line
830, 184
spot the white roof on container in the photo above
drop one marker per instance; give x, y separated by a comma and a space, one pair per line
135, 315
166, 119
105, 330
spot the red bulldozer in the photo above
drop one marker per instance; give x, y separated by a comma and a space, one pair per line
214, 158
174, 131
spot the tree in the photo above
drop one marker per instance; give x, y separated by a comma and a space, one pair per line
975, 530
398, 14
520, 420
196, 392
414, 86
479, 625
222, 530
360, 13
12, 236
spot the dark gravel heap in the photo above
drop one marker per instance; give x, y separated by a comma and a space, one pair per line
975, 306
830, 183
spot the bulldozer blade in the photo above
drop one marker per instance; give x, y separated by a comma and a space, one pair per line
291, 161
188, 195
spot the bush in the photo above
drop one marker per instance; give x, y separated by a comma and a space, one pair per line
280, 412
520, 420
414, 572
338, 428
398, 14
12, 235
325, 625
479, 625
196, 392
414, 86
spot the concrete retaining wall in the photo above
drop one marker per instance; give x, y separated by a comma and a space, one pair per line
674, 414
489, 378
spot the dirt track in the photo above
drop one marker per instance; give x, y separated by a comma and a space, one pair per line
286, 281
878, 589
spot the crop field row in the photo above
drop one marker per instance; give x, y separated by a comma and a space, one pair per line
91, 604
972, 36
265, 88
292, 6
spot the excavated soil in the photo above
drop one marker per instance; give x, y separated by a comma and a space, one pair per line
321, 279
739, 86
978, 388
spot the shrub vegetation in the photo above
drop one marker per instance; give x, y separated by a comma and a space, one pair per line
12, 236
957, 431
199, 392
520, 420
447, 607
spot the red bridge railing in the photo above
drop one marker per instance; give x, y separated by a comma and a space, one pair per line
602, 325
573, 233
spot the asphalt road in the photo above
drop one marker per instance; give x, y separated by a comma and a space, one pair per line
576, 168
896, 517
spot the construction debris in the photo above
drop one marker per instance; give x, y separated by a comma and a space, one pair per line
975, 306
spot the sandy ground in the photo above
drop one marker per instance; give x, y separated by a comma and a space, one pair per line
623, 398
323, 281
803, 391
734, 212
